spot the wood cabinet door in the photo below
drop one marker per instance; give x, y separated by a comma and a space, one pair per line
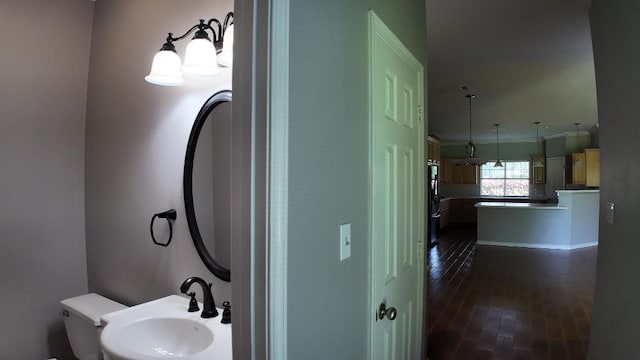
593, 167
433, 150
538, 172
447, 169
458, 174
445, 211
470, 174
578, 174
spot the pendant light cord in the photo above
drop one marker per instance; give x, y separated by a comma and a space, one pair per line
497, 143
470, 97
537, 135
577, 137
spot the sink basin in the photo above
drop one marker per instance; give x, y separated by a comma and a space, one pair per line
163, 329
163, 337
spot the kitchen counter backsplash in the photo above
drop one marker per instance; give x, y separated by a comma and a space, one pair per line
473, 191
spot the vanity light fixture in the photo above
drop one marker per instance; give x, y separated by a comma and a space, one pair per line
498, 162
537, 163
202, 56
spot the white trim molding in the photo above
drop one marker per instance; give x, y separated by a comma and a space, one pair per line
278, 146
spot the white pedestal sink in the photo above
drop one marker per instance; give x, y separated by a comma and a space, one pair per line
163, 329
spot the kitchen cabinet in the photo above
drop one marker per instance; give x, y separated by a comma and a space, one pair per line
538, 172
463, 211
592, 168
453, 173
578, 166
433, 151
469, 174
447, 171
445, 212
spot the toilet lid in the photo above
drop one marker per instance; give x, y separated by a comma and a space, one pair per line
91, 306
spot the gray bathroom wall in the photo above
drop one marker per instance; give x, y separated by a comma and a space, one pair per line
136, 140
43, 87
327, 301
615, 25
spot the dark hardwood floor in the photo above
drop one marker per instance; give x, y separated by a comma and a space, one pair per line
488, 302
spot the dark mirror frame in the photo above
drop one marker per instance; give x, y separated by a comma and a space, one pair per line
215, 100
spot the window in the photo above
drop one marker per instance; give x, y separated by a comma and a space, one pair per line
510, 180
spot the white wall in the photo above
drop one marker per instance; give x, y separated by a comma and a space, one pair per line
327, 301
43, 87
136, 141
615, 27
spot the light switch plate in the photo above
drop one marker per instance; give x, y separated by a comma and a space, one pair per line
610, 213
345, 241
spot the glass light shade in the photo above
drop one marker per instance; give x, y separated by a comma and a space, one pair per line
226, 56
498, 164
470, 149
538, 164
165, 69
200, 58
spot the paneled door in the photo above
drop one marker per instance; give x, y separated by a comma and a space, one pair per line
397, 196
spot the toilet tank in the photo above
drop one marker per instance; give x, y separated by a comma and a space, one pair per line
82, 322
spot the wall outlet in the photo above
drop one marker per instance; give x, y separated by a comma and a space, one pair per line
610, 213
345, 241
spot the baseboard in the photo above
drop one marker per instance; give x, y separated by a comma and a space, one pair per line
536, 246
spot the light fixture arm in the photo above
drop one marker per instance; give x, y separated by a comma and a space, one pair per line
218, 36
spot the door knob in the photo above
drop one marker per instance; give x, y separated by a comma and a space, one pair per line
390, 312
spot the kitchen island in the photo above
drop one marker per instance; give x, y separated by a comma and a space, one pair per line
570, 224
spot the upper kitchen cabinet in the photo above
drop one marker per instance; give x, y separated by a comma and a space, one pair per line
447, 171
453, 173
538, 169
592, 169
433, 151
578, 165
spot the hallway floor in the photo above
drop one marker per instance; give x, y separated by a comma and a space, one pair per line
488, 302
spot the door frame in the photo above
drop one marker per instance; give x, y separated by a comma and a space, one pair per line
260, 180
378, 27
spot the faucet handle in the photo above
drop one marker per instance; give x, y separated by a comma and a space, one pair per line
193, 303
226, 313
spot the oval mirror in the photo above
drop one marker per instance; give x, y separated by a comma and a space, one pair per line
207, 184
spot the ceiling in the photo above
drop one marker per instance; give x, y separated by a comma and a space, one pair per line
525, 60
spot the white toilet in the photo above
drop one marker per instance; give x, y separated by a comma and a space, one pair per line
82, 321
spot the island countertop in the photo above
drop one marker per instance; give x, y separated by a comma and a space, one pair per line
518, 205
529, 225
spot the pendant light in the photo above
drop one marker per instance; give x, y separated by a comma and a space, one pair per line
537, 163
577, 162
498, 162
470, 148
